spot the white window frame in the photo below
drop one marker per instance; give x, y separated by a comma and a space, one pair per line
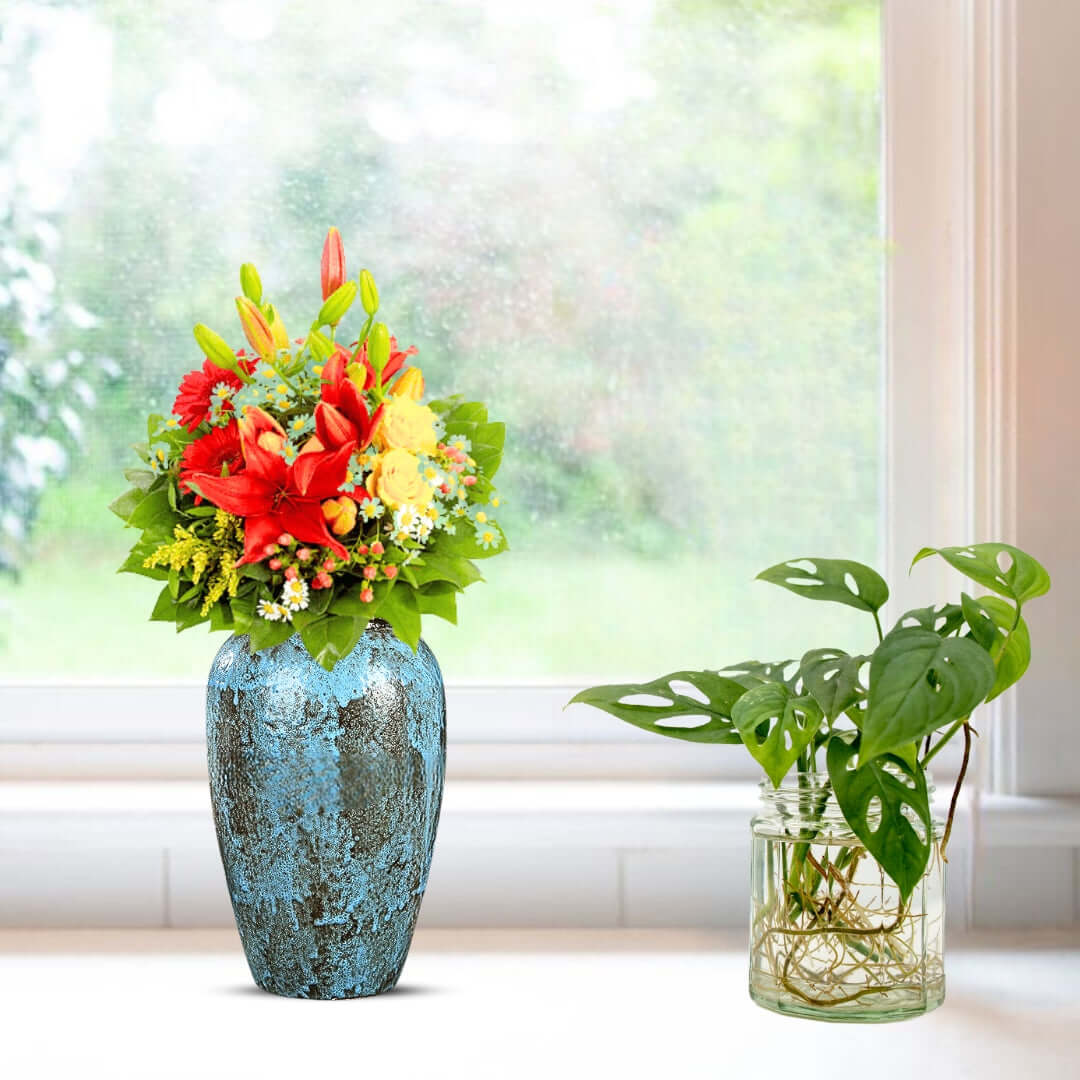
948, 204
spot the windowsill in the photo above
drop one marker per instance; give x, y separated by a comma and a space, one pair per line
585, 813
556, 854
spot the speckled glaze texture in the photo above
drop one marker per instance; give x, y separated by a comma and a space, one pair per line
326, 787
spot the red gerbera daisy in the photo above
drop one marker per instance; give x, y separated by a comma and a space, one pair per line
192, 404
221, 447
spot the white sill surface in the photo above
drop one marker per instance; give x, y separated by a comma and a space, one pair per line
576, 812
510, 1003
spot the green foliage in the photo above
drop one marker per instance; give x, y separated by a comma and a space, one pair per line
1022, 579
879, 799
831, 677
920, 682
838, 580
720, 695
926, 677
776, 726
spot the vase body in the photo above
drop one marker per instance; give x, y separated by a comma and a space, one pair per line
830, 938
326, 788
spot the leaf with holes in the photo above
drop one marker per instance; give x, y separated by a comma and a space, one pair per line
751, 673
839, 580
1022, 580
943, 620
1010, 646
831, 676
918, 683
983, 629
887, 805
792, 722
719, 695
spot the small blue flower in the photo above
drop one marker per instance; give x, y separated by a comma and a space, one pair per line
487, 536
371, 509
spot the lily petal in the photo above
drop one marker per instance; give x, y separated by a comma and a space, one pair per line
318, 476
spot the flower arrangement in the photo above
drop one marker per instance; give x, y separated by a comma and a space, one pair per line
305, 486
859, 730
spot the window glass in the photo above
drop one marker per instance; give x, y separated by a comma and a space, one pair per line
646, 233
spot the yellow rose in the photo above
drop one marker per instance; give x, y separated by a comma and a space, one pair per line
406, 425
396, 480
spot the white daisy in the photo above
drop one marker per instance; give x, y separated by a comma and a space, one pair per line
272, 612
294, 595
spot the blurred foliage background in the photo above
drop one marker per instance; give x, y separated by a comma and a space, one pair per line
646, 233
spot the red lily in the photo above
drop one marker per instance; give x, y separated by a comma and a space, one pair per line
273, 497
342, 399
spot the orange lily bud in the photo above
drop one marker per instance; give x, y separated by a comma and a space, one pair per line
256, 328
411, 384
333, 263
277, 328
339, 514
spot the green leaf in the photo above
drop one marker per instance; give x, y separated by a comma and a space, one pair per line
879, 800
720, 696
1023, 580
133, 564
243, 610
1011, 646
487, 447
832, 677
438, 598
265, 633
839, 580
124, 506
464, 543
983, 628
751, 673
154, 512
332, 637
467, 412
399, 608
436, 565
943, 620
444, 406
140, 478
165, 608
918, 683
221, 617
791, 719
348, 602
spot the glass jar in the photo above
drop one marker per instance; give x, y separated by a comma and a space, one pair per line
830, 938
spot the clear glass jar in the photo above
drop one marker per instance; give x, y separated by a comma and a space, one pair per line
830, 938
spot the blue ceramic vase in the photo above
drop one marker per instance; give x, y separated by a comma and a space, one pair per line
326, 787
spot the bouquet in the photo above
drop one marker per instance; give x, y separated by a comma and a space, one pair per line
305, 486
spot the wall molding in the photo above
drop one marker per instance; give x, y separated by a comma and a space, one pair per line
509, 854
